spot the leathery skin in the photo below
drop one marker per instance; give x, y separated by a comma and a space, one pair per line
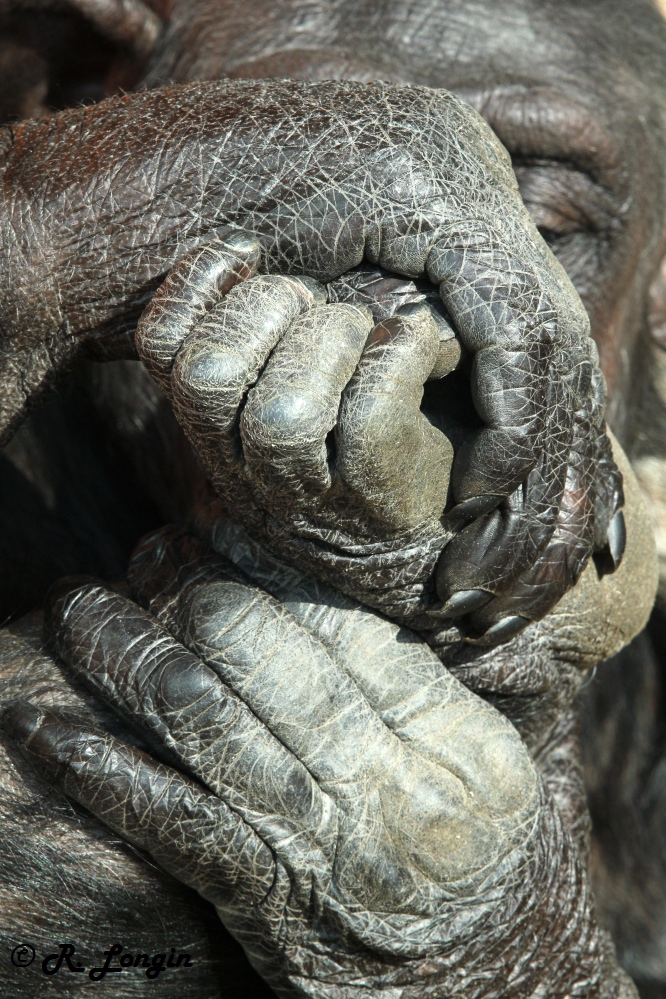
537, 392
306, 417
363, 822
423, 189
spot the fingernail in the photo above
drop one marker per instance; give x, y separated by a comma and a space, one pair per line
476, 506
242, 242
617, 538
608, 559
41, 736
462, 602
313, 289
502, 631
21, 720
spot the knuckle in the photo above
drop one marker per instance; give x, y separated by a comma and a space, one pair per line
202, 369
183, 682
283, 421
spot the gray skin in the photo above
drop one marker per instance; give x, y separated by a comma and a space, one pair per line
381, 74
424, 189
363, 823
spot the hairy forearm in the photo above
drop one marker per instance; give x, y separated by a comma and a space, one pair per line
98, 203
118, 190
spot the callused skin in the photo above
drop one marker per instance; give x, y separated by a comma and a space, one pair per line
307, 420
587, 148
323, 949
362, 809
586, 133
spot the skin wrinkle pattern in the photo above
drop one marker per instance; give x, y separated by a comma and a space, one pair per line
572, 454
483, 472
181, 591
289, 978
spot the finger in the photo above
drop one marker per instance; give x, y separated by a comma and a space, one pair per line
292, 409
386, 294
610, 536
387, 451
558, 568
382, 291
511, 304
486, 555
192, 834
282, 672
476, 285
196, 282
533, 369
223, 358
399, 676
134, 664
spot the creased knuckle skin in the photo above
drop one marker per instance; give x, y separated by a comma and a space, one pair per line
192, 287
395, 465
293, 408
412, 153
223, 357
192, 834
284, 422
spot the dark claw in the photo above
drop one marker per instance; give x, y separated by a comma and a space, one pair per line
502, 631
242, 242
609, 558
474, 507
20, 721
462, 602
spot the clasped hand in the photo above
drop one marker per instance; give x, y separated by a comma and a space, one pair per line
325, 176
307, 415
362, 822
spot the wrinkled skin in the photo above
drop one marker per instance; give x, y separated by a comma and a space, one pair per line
550, 94
99, 889
307, 420
574, 247
361, 820
444, 203
333, 709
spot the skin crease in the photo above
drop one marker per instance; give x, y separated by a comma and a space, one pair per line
612, 363
215, 609
534, 486
542, 126
610, 262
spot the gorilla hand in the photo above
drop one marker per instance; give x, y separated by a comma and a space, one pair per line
532, 679
307, 420
588, 519
361, 821
99, 203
